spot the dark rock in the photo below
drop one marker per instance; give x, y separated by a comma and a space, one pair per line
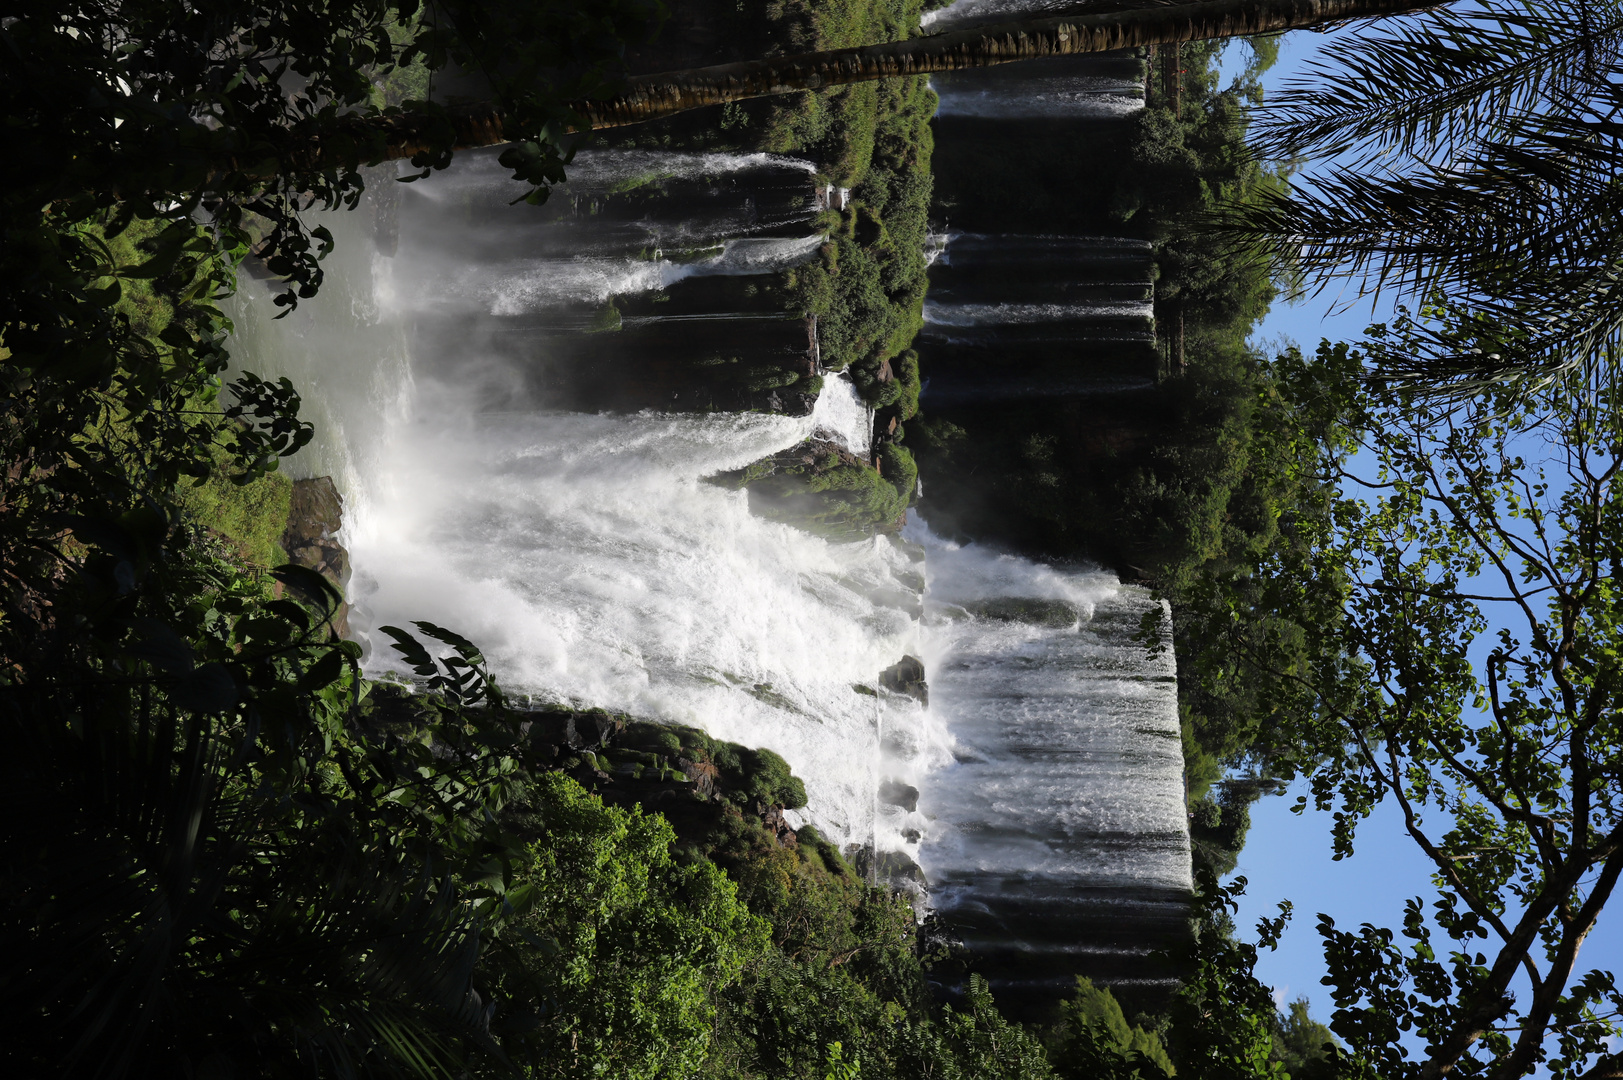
315, 514
897, 868
704, 775
1057, 614
896, 793
893, 868
912, 836
906, 676
573, 730
316, 511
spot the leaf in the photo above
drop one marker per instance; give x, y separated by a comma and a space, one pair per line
310, 584
160, 646
467, 649
324, 672
412, 651
209, 689
290, 611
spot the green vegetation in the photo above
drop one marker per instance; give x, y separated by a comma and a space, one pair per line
1093, 1018
249, 516
249, 513
824, 489
866, 286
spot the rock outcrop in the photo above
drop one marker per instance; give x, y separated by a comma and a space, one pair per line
822, 487
896, 793
906, 676
313, 521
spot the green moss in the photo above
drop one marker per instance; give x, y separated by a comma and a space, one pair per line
899, 468
825, 490
606, 320
251, 516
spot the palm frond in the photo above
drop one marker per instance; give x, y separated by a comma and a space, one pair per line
1518, 222
1445, 79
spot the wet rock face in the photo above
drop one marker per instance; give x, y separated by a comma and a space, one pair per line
906, 676
314, 518
896, 793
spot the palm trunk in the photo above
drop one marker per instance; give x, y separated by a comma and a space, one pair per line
650, 97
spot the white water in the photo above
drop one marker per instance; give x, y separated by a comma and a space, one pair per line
586, 554
1070, 98
842, 415
592, 564
1065, 731
970, 12
483, 174
535, 284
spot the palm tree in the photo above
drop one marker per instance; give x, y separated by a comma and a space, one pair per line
651, 97
1477, 154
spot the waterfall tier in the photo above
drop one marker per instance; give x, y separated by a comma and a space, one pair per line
1059, 844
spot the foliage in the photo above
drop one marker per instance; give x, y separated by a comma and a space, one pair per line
823, 488
612, 951
251, 516
1304, 1046
235, 880
1221, 1020
867, 286
1092, 1027
1472, 156
1497, 511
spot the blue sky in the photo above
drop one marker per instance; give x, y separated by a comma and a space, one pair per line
1288, 855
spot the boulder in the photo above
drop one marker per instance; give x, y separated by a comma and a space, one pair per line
906, 676
896, 793
315, 514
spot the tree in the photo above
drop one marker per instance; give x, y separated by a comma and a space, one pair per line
1474, 153
1503, 764
651, 97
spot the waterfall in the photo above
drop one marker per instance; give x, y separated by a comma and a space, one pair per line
1019, 316
535, 284
842, 415
586, 553
1096, 96
965, 13
584, 549
1098, 87
1004, 314
1058, 843
1059, 840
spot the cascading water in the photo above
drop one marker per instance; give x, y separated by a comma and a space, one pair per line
1071, 87
494, 487
586, 553
1059, 843
1017, 316
965, 13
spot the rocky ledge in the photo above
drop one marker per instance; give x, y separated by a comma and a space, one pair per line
314, 518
